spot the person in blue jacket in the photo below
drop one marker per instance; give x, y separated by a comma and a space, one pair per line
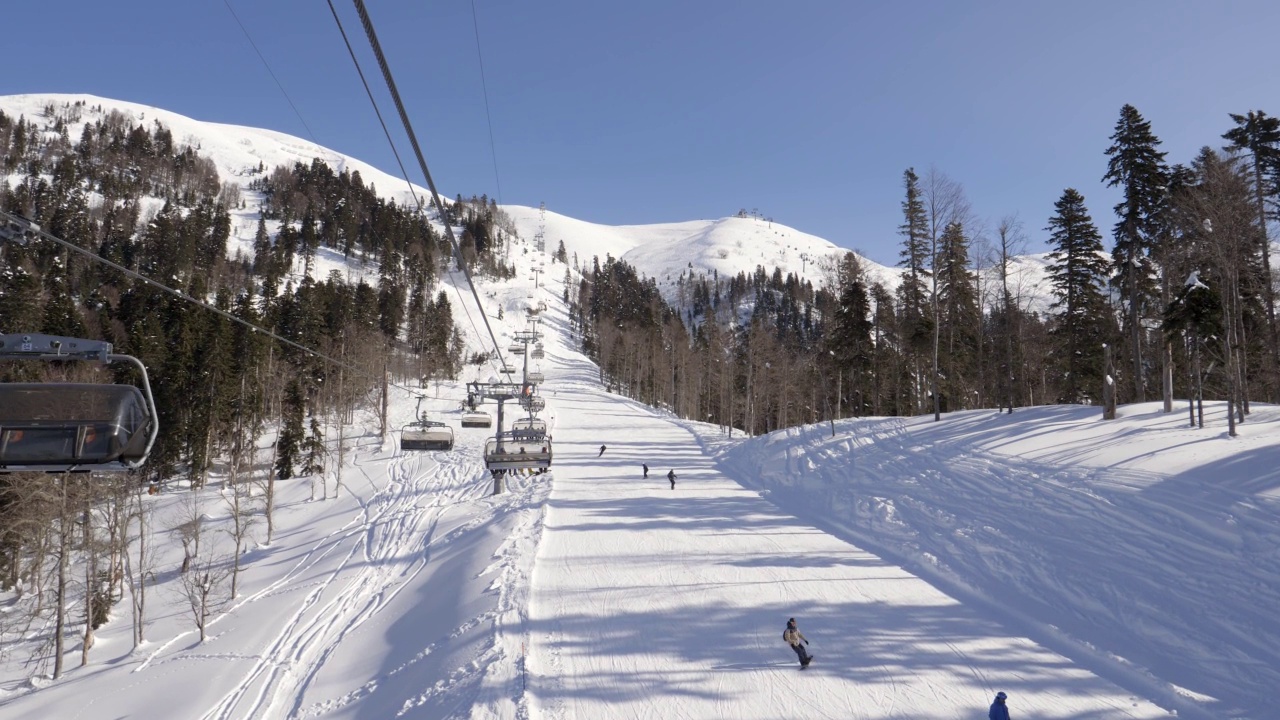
999, 711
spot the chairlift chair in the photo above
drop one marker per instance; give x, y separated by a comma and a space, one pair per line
506, 453
535, 377
477, 418
73, 427
529, 430
426, 435
537, 353
533, 403
516, 349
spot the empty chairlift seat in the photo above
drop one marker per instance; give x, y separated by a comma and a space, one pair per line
477, 419
426, 435
72, 426
535, 377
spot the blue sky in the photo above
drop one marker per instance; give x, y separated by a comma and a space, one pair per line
629, 113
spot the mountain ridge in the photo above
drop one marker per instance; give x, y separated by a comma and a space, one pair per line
663, 251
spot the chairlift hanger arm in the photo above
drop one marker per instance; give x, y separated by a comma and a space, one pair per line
17, 228
38, 346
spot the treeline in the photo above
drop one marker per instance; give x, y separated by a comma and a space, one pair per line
1183, 306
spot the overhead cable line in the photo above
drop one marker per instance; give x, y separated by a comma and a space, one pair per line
289, 100
484, 86
269, 71
403, 172
422, 163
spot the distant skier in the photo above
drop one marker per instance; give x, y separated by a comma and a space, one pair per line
798, 642
646, 470
999, 711
671, 475
602, 449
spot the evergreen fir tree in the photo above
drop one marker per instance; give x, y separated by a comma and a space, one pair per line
1078, 273
61, 317
959, 317
313, 447
289, 442
20, 306
1138, 168
848, 339
916, 322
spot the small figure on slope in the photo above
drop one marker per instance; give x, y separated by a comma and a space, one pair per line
798, 642
999, 711
602, 448
646, 470
671, 475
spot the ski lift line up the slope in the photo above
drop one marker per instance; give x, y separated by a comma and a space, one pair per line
73, 427
522, 448
456, 248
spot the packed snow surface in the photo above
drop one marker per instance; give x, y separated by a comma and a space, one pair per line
1089, 569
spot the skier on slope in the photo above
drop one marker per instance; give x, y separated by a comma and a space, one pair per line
646, 470
671, 475
798, 642
999, 711
602, 449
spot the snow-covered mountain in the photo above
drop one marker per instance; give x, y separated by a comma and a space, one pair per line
663, 251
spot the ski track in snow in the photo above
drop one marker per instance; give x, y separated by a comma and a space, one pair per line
1066, 552
387, 540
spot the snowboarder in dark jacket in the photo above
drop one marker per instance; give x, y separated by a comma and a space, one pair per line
999, 711
671, 475
602, 447
798, 642
646, 470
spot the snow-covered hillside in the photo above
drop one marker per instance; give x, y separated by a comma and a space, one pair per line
1088, 569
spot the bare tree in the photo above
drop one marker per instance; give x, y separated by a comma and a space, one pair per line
1010, 242
203, 588
1218, 210
190, 529
203, 575
240, 504
138, 572
945, 203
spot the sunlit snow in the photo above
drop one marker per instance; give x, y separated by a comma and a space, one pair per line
1090, 569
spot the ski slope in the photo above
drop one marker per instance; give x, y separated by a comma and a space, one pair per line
1089, 569
1124, 569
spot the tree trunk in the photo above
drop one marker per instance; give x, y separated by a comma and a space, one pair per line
60, 609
